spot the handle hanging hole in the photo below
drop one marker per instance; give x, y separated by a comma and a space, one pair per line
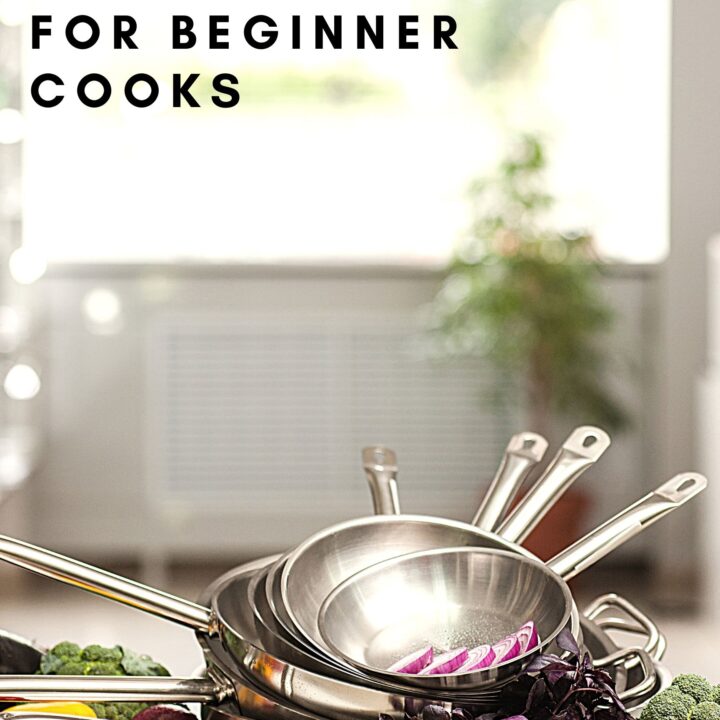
589, 441
686, 484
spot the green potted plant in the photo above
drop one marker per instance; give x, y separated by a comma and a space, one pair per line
526, 298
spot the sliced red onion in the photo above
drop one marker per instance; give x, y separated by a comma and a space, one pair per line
528, 636
447, 663
506, 649
413, 663
478, 658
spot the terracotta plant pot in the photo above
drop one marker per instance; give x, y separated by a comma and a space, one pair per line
564, 523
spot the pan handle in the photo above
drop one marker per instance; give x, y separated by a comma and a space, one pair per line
21, 688
582, 449
107, 584
638, 624
619, 529
380, 465
523, 452
629, 658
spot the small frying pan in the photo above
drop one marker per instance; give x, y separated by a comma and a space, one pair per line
523, 452
317, 566
470, 596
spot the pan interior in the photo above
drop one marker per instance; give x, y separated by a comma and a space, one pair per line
445, 598
330, 557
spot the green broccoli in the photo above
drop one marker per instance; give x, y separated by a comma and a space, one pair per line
67, 658
671, 704
705, 711
118, 711
97, 653
60, 656
716, 695
695, 686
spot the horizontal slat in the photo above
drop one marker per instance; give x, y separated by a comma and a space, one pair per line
268, 415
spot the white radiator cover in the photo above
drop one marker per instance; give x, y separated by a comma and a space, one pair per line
272, 415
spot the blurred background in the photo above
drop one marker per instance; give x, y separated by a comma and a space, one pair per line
206, 314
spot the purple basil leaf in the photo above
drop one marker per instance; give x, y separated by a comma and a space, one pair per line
566, 641
435, 712
538, 692
540, 662
555, 676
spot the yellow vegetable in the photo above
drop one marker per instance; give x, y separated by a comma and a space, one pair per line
57, 708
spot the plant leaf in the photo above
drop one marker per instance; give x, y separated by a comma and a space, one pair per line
567, 642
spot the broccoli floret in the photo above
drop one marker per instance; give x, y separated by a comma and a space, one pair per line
102, 668
715, 697
695, 686
668, 705
58, 657
72, 667
705, 711
68, 650
69, 659
97, 653
118, 711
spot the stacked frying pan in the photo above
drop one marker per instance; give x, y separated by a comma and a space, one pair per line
315, 629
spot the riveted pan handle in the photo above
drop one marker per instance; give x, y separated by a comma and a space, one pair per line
618, 530
523, 452
21, 688
582, 449
380, 465
107, 584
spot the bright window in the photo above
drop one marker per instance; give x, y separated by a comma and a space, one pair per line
349, 155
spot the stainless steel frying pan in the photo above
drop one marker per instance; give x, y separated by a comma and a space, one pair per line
321, 563
369, 698
470, 596
290, 686
380, 464
447, 598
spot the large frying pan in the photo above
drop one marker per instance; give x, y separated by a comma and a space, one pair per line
251, 665
285, 686
274, 627
317, 566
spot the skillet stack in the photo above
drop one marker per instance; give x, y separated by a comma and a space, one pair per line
302, 635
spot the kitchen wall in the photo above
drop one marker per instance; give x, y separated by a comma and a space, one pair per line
682, 299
